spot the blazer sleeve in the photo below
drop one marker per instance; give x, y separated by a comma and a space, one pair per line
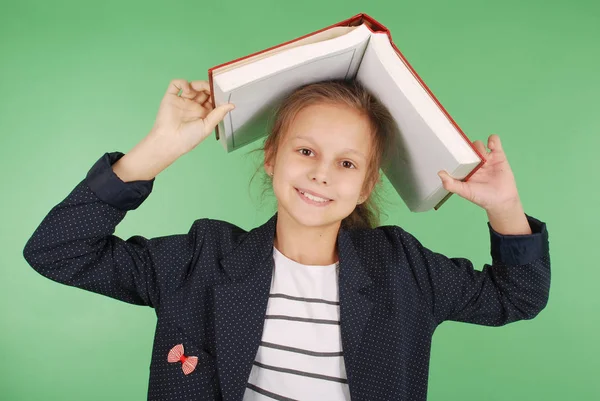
75, 243
514, 287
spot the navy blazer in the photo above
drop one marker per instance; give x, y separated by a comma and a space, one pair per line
210, 289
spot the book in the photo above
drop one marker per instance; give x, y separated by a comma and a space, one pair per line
357, 48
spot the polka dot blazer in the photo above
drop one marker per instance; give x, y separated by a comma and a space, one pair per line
210, 289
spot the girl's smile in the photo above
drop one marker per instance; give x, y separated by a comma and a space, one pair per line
311, 199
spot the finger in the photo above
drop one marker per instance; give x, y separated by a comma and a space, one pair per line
208, 107
176, 85
446, 180
215, 116
203, 90
450, 184
187, 91
201, 97
494, 143
200, 86
480, 147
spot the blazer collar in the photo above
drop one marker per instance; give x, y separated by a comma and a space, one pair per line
241, 304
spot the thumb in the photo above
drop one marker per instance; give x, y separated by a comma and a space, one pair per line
449, 183
216, 116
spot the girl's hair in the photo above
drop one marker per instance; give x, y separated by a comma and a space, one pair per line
383, 134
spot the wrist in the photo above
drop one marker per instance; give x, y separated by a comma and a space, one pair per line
145, 161
506, 208
509, 219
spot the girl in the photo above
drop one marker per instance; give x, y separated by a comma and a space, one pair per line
318, 303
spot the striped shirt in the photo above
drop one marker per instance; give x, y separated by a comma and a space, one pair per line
300, 356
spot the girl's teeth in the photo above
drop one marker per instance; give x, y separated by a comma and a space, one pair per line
317, 199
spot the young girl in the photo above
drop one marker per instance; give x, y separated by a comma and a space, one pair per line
318, 303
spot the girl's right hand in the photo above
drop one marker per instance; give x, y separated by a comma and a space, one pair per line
182, 122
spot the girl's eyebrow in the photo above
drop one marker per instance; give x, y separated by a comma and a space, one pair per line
349, 150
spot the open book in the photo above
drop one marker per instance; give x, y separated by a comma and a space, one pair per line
358, 48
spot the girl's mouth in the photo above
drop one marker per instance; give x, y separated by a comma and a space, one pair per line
312, 200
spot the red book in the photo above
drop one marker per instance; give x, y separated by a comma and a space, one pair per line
429, 140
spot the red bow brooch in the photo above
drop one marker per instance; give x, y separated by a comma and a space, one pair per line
188, 362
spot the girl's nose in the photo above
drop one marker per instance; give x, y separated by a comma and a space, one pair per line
320, 174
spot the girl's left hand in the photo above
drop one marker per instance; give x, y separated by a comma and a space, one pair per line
493, 186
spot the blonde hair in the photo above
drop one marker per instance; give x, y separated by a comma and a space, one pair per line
383, 134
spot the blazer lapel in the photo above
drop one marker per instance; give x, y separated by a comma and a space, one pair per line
240, 307
355, 307
241, 304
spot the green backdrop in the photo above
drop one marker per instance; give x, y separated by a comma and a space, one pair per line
82, 79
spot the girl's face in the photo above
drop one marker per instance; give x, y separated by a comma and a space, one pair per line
324, 152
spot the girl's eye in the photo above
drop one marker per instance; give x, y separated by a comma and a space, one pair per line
350, 163
310, 151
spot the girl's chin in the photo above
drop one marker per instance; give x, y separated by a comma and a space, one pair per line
309, 216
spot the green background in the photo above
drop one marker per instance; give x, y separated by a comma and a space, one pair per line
78, 80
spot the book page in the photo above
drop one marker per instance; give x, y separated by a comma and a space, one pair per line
255, 88
422, 100
255, 101
420, 150
290, 58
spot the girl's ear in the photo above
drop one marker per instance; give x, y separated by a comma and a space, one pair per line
268, 160
268, 167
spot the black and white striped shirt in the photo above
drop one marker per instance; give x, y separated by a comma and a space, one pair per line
300, 356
